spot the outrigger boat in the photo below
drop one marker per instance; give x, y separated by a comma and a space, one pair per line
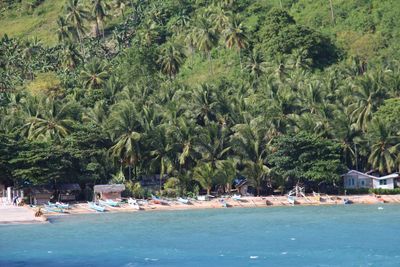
347, 201
183, 200
157, 200
52, 208
133, 203
58, 205
109, 203
96, 207
237, 197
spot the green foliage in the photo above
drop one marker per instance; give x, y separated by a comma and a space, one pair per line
279, 34
304, 157
276, 91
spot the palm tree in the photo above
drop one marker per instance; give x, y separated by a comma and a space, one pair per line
77, 15
70, 57
99, 12
235, 36
125, 131
384, 149
255, 64
226, 173
206, 37
64, 30
52, 121
94, 74
367, 96
219, 17
213, 143
250, 143
171, 59
205, 175
162, 150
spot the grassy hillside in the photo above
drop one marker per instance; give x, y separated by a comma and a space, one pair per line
40, 23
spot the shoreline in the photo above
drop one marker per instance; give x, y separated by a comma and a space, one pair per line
25, 215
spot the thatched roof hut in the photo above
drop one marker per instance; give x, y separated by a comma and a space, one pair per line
109, 191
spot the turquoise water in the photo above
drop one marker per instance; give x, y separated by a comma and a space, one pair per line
288, 236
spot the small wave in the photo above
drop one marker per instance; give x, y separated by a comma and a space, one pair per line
150, 259
292, 238
284, 253
253, 257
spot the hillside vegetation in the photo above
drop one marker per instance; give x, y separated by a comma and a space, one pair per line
280, 92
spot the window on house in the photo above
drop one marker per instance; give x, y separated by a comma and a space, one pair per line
352, 181
382, 182
362, 182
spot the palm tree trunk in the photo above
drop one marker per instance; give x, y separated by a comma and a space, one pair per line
240, 60
332, 14
209, 59
97, 28
208, 191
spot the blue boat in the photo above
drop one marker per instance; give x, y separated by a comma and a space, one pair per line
109, 203
96, 207
53, 208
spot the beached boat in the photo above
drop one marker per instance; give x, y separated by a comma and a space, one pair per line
183, 200
109, 203
202, 198
62, 205
96, 207
134, 203
347, 201
292, 200
157, 200
53, 208
237, 197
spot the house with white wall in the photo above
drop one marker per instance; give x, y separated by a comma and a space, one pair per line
354, 180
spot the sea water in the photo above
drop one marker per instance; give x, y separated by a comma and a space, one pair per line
351, 235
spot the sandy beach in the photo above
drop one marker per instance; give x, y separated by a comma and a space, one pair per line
17, 215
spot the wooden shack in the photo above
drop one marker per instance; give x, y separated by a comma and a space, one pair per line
109, 191
68, 192
40, 195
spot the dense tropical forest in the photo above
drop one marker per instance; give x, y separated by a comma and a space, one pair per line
203, 91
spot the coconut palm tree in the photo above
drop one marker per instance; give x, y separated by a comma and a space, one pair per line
384, 149
204, 174
94, 74
235, 36
255, 65
368, 94
52, 121
99, 12
250, 142
206, 37
213, 143
77, 15
161, 151
64, 30
171, 59
125, 130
